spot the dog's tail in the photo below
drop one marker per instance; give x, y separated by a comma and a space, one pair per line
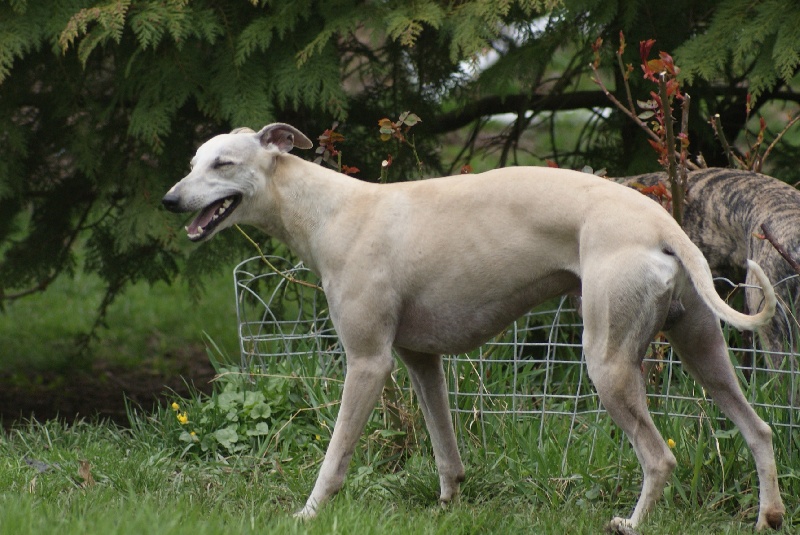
700, 274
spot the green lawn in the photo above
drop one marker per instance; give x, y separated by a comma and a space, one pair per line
194, 468
144, 323
142, 485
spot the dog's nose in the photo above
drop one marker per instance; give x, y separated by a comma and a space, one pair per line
171, 202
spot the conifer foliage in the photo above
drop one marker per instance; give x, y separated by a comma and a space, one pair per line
758, 41
102, 102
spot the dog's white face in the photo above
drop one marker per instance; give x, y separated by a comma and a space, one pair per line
226, 171
219, 179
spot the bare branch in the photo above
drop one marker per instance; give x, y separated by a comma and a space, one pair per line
687, 100
631, 113
577, 100
780, 248
672, 171
495, 105
733, 161
627, 85
778, 137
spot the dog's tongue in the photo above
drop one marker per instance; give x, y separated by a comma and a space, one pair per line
202, 220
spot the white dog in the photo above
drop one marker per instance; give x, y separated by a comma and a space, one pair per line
440, 266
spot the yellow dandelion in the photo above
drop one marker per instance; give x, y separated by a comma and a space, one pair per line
183, 418
670, 443
193, 434
175, 406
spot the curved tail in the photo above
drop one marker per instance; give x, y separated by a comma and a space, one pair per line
700, 274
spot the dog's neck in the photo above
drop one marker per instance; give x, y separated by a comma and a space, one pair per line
306, 195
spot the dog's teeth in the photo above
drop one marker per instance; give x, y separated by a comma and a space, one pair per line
222, 209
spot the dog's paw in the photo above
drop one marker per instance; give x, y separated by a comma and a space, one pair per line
306, 513
620, 526
444, 503
770, 520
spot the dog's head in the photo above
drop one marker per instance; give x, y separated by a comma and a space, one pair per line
226, 170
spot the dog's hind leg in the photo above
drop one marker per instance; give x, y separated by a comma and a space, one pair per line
427, 378
363, 384
622, 312
698, 340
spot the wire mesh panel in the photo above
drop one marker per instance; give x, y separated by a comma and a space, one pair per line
280, 317
535, 367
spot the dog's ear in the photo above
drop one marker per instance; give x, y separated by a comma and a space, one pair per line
283, 136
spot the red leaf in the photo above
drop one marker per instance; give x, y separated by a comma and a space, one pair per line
346, 169
551, 163
673, 88
596, 49
669, 63
655, 65
657, 146
659, 190
644, 49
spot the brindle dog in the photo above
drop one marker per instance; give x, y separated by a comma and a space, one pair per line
723, 215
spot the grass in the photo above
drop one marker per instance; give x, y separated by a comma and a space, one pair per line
141, 484
152, 477
40, 331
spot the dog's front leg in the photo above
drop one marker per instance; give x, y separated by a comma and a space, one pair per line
363, 384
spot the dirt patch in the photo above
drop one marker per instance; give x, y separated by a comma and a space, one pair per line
100, 390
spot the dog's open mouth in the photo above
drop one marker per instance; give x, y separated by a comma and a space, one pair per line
211, 216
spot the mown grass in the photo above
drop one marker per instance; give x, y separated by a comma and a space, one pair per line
142, 486
149, 478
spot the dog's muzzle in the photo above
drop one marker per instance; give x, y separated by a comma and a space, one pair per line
172, 202
209, 218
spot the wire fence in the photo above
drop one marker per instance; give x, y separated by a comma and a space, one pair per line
536, 367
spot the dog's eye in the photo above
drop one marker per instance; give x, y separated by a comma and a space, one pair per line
221, 163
